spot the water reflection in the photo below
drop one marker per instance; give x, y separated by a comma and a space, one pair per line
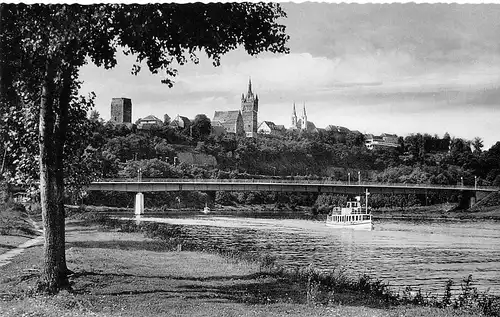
419, 254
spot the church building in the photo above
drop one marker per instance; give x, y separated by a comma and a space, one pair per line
230, 120
302, 124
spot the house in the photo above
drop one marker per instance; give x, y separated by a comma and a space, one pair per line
268, 127
384, 140
180, 122
231, 121
390, 138
148, 122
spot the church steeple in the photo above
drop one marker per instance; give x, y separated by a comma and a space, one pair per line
304, 118
249, 86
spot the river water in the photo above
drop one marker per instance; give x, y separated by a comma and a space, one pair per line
402, 253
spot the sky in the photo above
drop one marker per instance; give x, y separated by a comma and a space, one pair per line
375, 68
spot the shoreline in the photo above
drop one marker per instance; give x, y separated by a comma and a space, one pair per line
421, 213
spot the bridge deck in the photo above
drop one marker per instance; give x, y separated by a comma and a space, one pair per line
278, 185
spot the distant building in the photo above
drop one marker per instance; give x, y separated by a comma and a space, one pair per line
180, 122
302, 123
268, 127
384, 140
231, 121
121, 110
148, 122
337, 128
390, 138
249, 111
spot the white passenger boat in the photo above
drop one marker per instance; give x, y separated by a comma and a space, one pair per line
353, 216
206, 210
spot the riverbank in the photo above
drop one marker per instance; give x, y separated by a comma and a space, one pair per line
128, 274
443, 212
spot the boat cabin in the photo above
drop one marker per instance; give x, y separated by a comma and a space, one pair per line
353, 207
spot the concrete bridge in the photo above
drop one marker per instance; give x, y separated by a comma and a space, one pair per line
278, 185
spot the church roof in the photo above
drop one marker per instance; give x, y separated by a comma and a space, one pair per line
226, 117
311, 126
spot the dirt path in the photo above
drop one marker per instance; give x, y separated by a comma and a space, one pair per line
7, 257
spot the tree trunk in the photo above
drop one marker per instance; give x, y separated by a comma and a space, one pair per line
54, 271
59, 142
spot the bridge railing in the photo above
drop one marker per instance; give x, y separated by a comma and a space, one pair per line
290, 181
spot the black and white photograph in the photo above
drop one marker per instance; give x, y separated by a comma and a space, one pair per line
250, 159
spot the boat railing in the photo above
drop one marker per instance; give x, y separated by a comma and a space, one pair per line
348, 218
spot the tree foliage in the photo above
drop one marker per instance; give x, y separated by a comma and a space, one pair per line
202, 126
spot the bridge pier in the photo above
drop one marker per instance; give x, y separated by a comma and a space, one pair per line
211, 196
139, 204
467, 199
472, 201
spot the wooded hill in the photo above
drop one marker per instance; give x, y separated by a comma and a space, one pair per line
420, 158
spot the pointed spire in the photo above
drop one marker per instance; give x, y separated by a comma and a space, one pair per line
249, 86
294, 112
304, 108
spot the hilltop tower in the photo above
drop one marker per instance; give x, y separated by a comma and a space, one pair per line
121, 110
249, 110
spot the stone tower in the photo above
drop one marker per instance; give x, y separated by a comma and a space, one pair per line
121, 110
303, 119
249, 110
